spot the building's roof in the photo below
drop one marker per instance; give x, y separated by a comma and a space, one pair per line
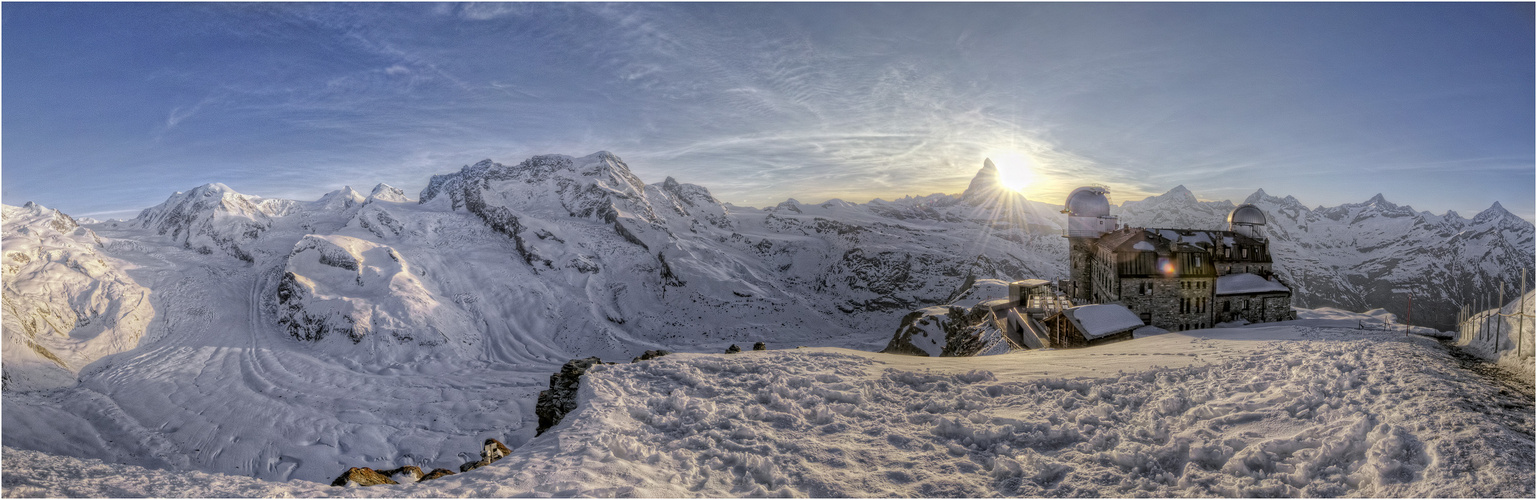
1100, 320
1122, 240
1088, 201
1247, 283
1032, 283
1246, 214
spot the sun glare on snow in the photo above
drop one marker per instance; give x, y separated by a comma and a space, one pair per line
1014, 170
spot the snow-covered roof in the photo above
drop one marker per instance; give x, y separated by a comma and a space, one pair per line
1032, 283
1243, 283
1099, 320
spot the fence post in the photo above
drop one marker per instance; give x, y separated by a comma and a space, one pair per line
1499, 339
1483, 305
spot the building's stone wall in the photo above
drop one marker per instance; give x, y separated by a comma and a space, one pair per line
1279, 308
1255, 308
1260, 268
1162, 308
1197, 293
1079, 256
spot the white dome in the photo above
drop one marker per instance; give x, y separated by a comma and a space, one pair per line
1246, 214
1088, 201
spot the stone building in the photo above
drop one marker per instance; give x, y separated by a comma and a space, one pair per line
1175, 279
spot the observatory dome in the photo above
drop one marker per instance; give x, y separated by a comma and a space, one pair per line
1246, 214
1088, 201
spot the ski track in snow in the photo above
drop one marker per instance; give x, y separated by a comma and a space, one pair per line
1274, 410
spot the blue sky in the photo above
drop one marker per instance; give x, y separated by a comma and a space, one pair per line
109, 108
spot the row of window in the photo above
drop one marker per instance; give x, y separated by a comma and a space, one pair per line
1243, 252
1192, 305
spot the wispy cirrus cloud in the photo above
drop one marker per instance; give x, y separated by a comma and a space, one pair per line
762, 102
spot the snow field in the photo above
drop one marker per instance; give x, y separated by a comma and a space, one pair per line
1335, 415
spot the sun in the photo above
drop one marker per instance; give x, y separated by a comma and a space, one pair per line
1016, 170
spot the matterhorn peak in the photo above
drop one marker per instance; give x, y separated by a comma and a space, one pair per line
985, 183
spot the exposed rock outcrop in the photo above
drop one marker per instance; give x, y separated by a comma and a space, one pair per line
961, 328
436, 473
733, 349
356, 288
759, 346
406, 474
362, 476
650, 355
560, 398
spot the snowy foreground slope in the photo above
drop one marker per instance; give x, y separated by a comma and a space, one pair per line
1294, 409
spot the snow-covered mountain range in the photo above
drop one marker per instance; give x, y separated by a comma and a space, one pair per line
233, 333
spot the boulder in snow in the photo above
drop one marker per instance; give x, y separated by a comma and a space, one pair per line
436, 473
362, 476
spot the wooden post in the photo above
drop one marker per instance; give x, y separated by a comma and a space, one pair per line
1521, 318
1499, 339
